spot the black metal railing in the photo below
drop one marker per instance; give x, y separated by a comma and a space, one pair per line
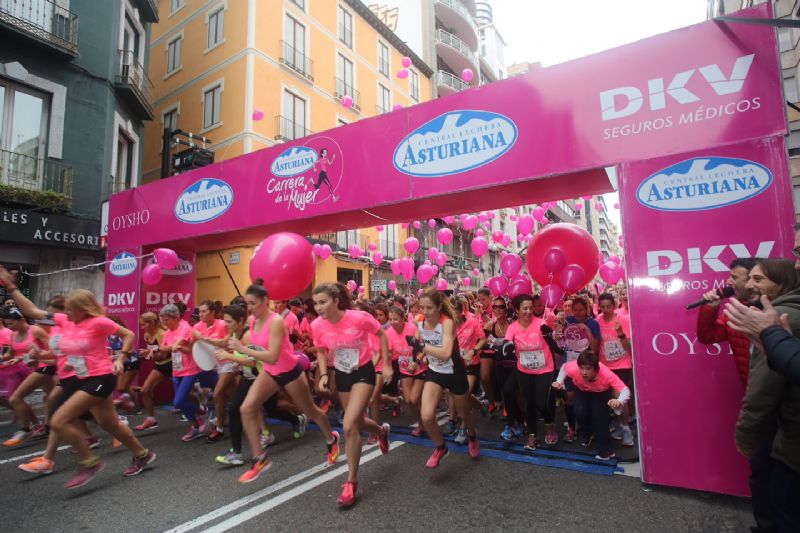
132, 73
44, 19
296, 60
344, 89
32, 173
288, 130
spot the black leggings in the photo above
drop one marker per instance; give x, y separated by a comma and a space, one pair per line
235, 416
536, 392
507, 378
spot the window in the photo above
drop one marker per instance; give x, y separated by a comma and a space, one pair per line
23, 134
170, 119
174, 55
294, 53
345, 27
346, 238
384, 99
300, 3
344, 70
414, 84
790, 89
124, 174
175, 5
383, 58
388, 241
216, 24
341, 122
211, 106
293, 125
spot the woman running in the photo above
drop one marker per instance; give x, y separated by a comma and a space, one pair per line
152, 335
28, 344
615, 353
212, 330
122, 396
324, 163
412, 374
267, 340
83, 333
437, 343
504, 364
177, 340
471, 340
535, 368
345, 332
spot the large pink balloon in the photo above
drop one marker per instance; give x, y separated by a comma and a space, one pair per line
510, 265
441, 284
392, 284
497, 285
554, 260
441, 260
538, 213
525, 224
377, 258
286, 264
520, 286
610, 272
433, 253
407, 268
258, 114
497, 236
347, 101
573, 277
325, 251
397, 268
552, 295
424, 273
479, 246
575, 243
411, 245
467, 75
352, 285
354, 251
151, 274
470, 221
166, 258
444, 236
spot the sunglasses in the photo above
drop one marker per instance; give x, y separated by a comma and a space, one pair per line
498, 307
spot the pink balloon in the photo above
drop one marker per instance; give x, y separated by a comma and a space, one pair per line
616, 205
479, 233
407, 264
377, 258
347, 101
417, 224
431, 223
361, 290
351, 285
513, 218
575, 243
316, 248
479, 246
520, 237
444, 236
573, 277
286, 264
476, 272
578, 206
554, 260
428, 262
402, 73
354, 251
497, 236
467, 75
411, 245
166, 258
598, 206
424, 273
372, 247
405, 225
303, 360
406, 61
525, 224
325, 251
258, 114
441, 284
435, 270
379, 228
441, 260
397, 107
506, 240
490, 215
610, 272
392, 285
510, 265
483, 217
396, 266
152, 274
449, 219
552, 295
520, 286
466, 282
419, 293
588, 197
538, 213
615, 259
470, 221
497, 285
433, 253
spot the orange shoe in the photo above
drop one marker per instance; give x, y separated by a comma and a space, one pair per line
40, 465
333, 448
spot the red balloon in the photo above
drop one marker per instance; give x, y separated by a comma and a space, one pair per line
552, 295
573, 277
497, 285
285, 261
575, 243
519, 286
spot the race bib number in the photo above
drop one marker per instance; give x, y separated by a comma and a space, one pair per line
26, 359
345, 359
177, 360
532, 359
442, 367
571, 355
55, 344
614, 350
78, 363
404, 360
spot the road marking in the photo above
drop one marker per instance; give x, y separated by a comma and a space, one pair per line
265, 506
29, 455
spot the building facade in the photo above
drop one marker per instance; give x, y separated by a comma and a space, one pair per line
74, 96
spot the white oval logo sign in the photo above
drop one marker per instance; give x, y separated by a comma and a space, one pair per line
203, 201
704, 183
294, 161
123, 264
455, 142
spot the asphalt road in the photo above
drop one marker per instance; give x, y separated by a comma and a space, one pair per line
184, 490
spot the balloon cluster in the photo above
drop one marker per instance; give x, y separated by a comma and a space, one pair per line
511, 280
612, 270
165, 259
323, 251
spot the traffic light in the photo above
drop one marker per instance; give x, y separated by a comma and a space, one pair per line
191, 158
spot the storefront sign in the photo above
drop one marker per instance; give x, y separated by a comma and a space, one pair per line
49, 230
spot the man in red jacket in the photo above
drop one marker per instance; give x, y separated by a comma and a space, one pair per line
712, 326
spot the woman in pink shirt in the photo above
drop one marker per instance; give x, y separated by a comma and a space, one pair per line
267, 340
411, 374
535, 368
596, 389
615, 353
324, 164
212, 330
345, 332
82, 338
471, 340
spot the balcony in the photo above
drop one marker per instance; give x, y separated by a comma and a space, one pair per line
133, 85
344, 89
289, 130
148, 10
296, 60
341, 240
44, 21
455, 52
453, 14
21, 171
448, 83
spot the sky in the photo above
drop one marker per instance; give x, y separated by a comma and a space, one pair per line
555, 31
